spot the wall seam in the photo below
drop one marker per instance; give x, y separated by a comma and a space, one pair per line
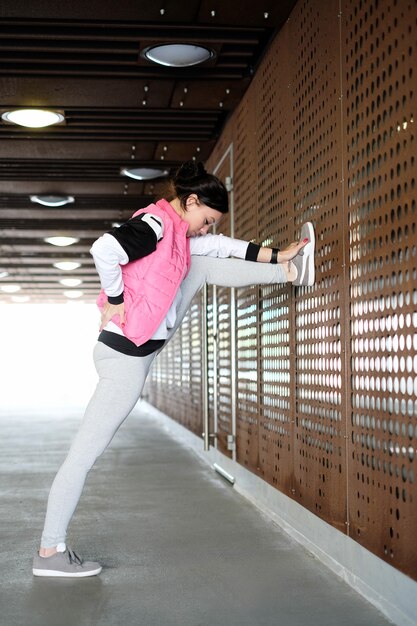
345, 266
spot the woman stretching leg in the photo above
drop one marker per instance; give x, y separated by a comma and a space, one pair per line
123, 358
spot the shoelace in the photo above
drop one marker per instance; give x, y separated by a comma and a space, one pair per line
74, 558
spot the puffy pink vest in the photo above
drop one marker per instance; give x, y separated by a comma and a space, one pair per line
150, 283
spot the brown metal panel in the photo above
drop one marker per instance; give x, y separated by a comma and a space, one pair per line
245, 171
219, 345
224, 370
379, 52
223, 143
276, 423
246, 227
211, 316
225, 389
247, 399
194, 400
326, 375
274, 169
175, 382
319, 379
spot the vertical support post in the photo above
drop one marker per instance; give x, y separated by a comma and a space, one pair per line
204, 373
215, 385
233, 312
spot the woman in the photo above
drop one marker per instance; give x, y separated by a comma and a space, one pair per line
150, 269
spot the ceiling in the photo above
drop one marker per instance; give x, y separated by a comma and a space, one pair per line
84, 58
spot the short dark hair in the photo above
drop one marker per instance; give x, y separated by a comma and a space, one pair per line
192, 177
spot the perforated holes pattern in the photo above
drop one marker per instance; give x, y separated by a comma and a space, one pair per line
274, 128
320, 446
351, 169
175, 378
247, 300
379, 54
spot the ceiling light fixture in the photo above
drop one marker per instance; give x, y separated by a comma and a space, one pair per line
33, 118
178, 54
67, 266
20, 299
73, 294
3, 274
70, 282
61, 241
143, 173
52, 200
10, 288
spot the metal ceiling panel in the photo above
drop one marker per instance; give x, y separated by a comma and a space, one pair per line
120, 109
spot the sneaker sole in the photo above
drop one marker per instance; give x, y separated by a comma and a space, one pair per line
309, 252
57, 574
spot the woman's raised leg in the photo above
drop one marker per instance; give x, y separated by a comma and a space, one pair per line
225, 273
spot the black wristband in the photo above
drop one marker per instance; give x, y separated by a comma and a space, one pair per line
116, 299
274, 256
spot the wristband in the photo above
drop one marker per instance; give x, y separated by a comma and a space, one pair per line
274, 256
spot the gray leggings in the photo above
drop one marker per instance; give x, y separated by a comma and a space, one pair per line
121, 380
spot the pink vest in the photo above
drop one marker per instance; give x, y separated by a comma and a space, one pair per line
150, 283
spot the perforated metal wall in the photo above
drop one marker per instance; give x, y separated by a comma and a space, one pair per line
275, 219
177, 373
247, 300
380, 48
326, 404
320, 403
222, 365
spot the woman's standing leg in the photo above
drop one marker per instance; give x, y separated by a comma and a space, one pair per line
121, 380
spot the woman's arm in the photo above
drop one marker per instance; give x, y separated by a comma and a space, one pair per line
222, 246
133, 240
283, 256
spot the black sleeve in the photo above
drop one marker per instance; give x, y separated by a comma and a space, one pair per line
116, 299
136, 237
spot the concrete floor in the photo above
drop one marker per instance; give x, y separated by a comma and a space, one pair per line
179, 546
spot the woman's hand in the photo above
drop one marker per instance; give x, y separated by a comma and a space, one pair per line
109, 311
291, 251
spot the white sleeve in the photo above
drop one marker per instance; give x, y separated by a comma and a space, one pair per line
108, 256
155, 223
218, 245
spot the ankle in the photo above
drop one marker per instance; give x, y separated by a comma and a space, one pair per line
45, 552
291, 271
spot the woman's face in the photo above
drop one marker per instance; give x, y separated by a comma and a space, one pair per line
199, 217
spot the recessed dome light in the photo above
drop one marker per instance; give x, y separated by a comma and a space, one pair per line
20, 299
61, 241
71, 282
67, 266
178, 54
143, 173
3, 274
52, 200
73, 294
10, 288
33, 118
